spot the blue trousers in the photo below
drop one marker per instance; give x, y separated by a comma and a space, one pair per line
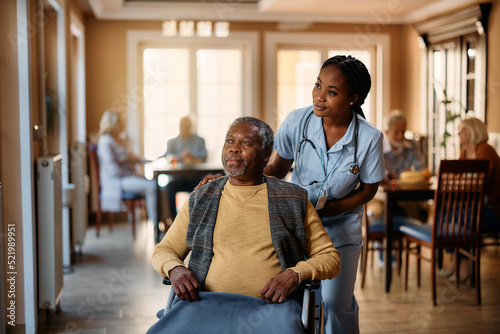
147, 188
341, 307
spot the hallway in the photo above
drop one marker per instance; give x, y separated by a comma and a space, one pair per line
114, 289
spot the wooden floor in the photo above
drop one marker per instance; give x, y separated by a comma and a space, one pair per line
113, 289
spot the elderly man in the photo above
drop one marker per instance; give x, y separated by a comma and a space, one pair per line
186, 148
253, 239
399, 154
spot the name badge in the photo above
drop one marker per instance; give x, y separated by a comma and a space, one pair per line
321, 203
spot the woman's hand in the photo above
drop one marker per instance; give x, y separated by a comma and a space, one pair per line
362, 195
207, 179
278, 166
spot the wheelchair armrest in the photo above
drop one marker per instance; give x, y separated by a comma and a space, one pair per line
309, 302
313, 284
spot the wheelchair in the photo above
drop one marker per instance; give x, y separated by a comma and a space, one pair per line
312, 317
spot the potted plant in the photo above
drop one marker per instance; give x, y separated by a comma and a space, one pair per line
450, 117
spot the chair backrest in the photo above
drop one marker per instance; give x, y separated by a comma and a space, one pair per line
458, 202
94, 165
365, 222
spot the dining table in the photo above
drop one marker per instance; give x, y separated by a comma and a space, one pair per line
391, 193
172, 168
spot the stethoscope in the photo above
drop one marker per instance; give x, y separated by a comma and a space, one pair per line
353, 169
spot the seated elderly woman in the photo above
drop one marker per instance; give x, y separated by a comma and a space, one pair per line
253, 239
474, 145
117, 169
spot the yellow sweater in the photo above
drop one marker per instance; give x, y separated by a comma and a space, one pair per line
244, 256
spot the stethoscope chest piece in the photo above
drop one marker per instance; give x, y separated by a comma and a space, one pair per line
354, 169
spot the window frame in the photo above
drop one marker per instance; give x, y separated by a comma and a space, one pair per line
139, 40
380, 43
458, 27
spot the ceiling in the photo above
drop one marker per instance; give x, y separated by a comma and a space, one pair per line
329, 11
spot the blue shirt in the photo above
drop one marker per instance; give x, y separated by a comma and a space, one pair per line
331, 166
194, 145
404, 158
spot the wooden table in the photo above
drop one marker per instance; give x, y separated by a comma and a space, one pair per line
196, 170
391, 195
199, 169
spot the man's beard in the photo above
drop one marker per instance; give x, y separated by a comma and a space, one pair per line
240, 172
397, 145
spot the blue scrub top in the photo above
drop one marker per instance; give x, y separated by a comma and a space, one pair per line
331, 166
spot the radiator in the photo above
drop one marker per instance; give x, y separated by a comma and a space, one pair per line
49, 231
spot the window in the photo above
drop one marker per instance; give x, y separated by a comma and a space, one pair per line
444, 78
455, 55
166, 96
211, 91
213, 79
220, 94
298, 58
297, 73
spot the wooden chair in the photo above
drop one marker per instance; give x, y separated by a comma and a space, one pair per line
130, 199
374, 231
370, 235
456, 220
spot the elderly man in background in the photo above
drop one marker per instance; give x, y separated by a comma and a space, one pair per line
400, 154
186, 148
253, 239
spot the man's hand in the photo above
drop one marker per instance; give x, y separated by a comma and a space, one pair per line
207, 179
279, 287
187, 158
185, 285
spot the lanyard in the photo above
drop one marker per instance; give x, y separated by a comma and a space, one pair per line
331, 170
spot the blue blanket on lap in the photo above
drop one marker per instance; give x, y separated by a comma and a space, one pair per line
229, 313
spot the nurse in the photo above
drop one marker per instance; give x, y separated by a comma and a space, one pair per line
339, 159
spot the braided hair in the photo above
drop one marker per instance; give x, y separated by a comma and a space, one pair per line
357, 75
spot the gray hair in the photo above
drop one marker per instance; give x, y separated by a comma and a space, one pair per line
395, 116
265, 131
477, 129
